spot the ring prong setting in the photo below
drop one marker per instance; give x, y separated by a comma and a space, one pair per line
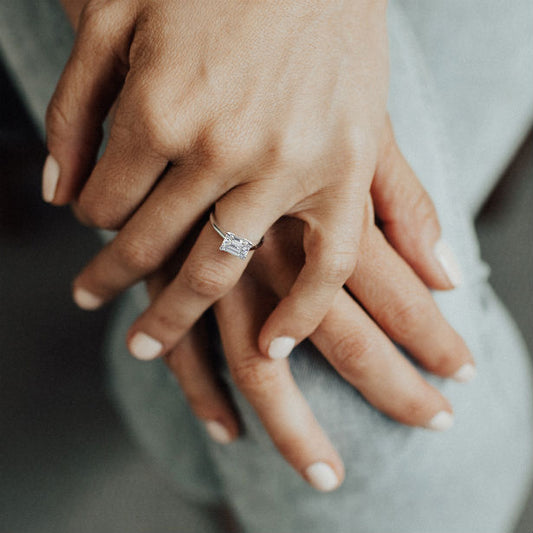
231, 243
235, 245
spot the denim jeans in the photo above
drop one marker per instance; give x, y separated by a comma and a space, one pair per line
460, 104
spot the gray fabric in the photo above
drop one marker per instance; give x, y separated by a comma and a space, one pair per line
480, 55
35, 41
399, 479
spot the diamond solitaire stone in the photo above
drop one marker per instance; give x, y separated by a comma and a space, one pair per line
235, 245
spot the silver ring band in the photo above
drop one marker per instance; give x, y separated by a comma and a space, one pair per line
233, 244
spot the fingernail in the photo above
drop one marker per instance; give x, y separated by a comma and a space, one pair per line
218, 432
322, 477
442, 421
466, 373
281, 347
449, 263
50, 178
87, 300
144, 347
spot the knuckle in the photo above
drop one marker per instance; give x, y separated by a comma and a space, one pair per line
359, 149
208, 281
289, 152
169, 322
136, 255
222, 149
157, 132
406, 319
415, 408
252, 376
142, 114
358, 138
338, 266
422, 208
96, 213
347, 160
442, 363
351, 354
57, 120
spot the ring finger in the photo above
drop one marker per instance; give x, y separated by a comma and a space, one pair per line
206, 275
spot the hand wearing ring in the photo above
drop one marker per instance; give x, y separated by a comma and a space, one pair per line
300, 131
303, 134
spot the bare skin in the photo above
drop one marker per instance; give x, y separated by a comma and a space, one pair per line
203, 115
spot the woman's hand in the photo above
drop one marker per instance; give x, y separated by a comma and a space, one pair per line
264, 108
388, 300
407, 217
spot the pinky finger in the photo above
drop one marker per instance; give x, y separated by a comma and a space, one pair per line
189, 362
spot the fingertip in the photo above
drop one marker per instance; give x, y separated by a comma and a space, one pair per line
219, 432
144, 347
281, 347
465, 374
50, 178
275, 344
323, 477
449, 263
86, 300
442, 421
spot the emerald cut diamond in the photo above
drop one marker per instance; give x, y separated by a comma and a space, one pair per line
234, 245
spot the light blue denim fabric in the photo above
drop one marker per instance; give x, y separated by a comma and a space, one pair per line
399, 479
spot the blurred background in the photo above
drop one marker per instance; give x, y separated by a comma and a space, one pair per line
67, 464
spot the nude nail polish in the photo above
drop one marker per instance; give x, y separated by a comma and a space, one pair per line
281, 347
322, 477
466, 373
218, 432
442, 421
144, 347
50, 178
87, 300
446, 257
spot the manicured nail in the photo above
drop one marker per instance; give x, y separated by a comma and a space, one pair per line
218, 432
144, 347
87, 300
466, 373
322, 477
442, 421
50, 178
281, 347
449, 262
